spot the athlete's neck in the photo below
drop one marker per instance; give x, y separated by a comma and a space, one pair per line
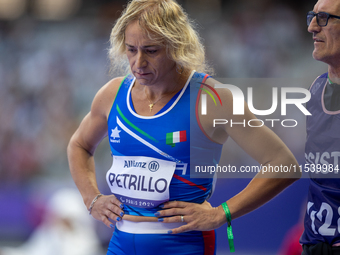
334, 74
172, 86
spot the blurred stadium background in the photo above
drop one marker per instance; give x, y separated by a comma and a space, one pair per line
53, 59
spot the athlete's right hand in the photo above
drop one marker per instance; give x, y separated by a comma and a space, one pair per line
108, 209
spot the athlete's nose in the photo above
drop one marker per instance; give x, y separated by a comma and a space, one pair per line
314, 26
140, 60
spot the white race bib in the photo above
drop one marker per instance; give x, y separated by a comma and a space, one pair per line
140, 181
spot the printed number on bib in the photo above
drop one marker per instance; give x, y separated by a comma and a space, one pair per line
325, 215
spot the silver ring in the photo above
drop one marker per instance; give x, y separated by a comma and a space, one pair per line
182, 218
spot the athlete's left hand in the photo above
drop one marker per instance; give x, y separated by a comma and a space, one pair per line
200, 217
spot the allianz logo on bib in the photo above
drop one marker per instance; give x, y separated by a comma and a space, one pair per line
133, 163
153, 166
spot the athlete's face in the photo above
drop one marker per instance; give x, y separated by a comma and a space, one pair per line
148, 60
327, 39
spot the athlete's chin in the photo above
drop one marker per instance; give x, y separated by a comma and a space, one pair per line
143, 81
317, 55
325, 58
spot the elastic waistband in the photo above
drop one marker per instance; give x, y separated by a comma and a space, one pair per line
147, 227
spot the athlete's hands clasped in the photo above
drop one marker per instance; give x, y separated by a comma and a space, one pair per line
108, 209
200, 217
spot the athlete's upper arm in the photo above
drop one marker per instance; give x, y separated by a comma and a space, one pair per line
260, 142
218, 106
93, 127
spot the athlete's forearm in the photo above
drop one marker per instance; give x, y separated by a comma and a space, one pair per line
265, 185
82, 168
258, 192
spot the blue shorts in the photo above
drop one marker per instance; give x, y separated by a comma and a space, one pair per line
189, 243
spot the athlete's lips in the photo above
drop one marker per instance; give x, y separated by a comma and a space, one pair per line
315, 39
141, 74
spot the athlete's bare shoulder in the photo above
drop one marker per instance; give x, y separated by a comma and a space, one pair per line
104, 98
211, 81
225, 95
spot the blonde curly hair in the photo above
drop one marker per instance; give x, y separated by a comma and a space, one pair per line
166, 23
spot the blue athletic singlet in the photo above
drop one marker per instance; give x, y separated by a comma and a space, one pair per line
133, 135
322, 218
151, 165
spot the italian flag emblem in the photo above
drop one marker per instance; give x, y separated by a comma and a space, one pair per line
176, 137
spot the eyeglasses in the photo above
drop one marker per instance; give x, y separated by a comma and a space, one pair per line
321, 18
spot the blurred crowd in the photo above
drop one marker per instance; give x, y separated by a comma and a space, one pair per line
51, 70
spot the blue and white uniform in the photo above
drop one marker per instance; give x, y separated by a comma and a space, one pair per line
322, 218
151, 165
